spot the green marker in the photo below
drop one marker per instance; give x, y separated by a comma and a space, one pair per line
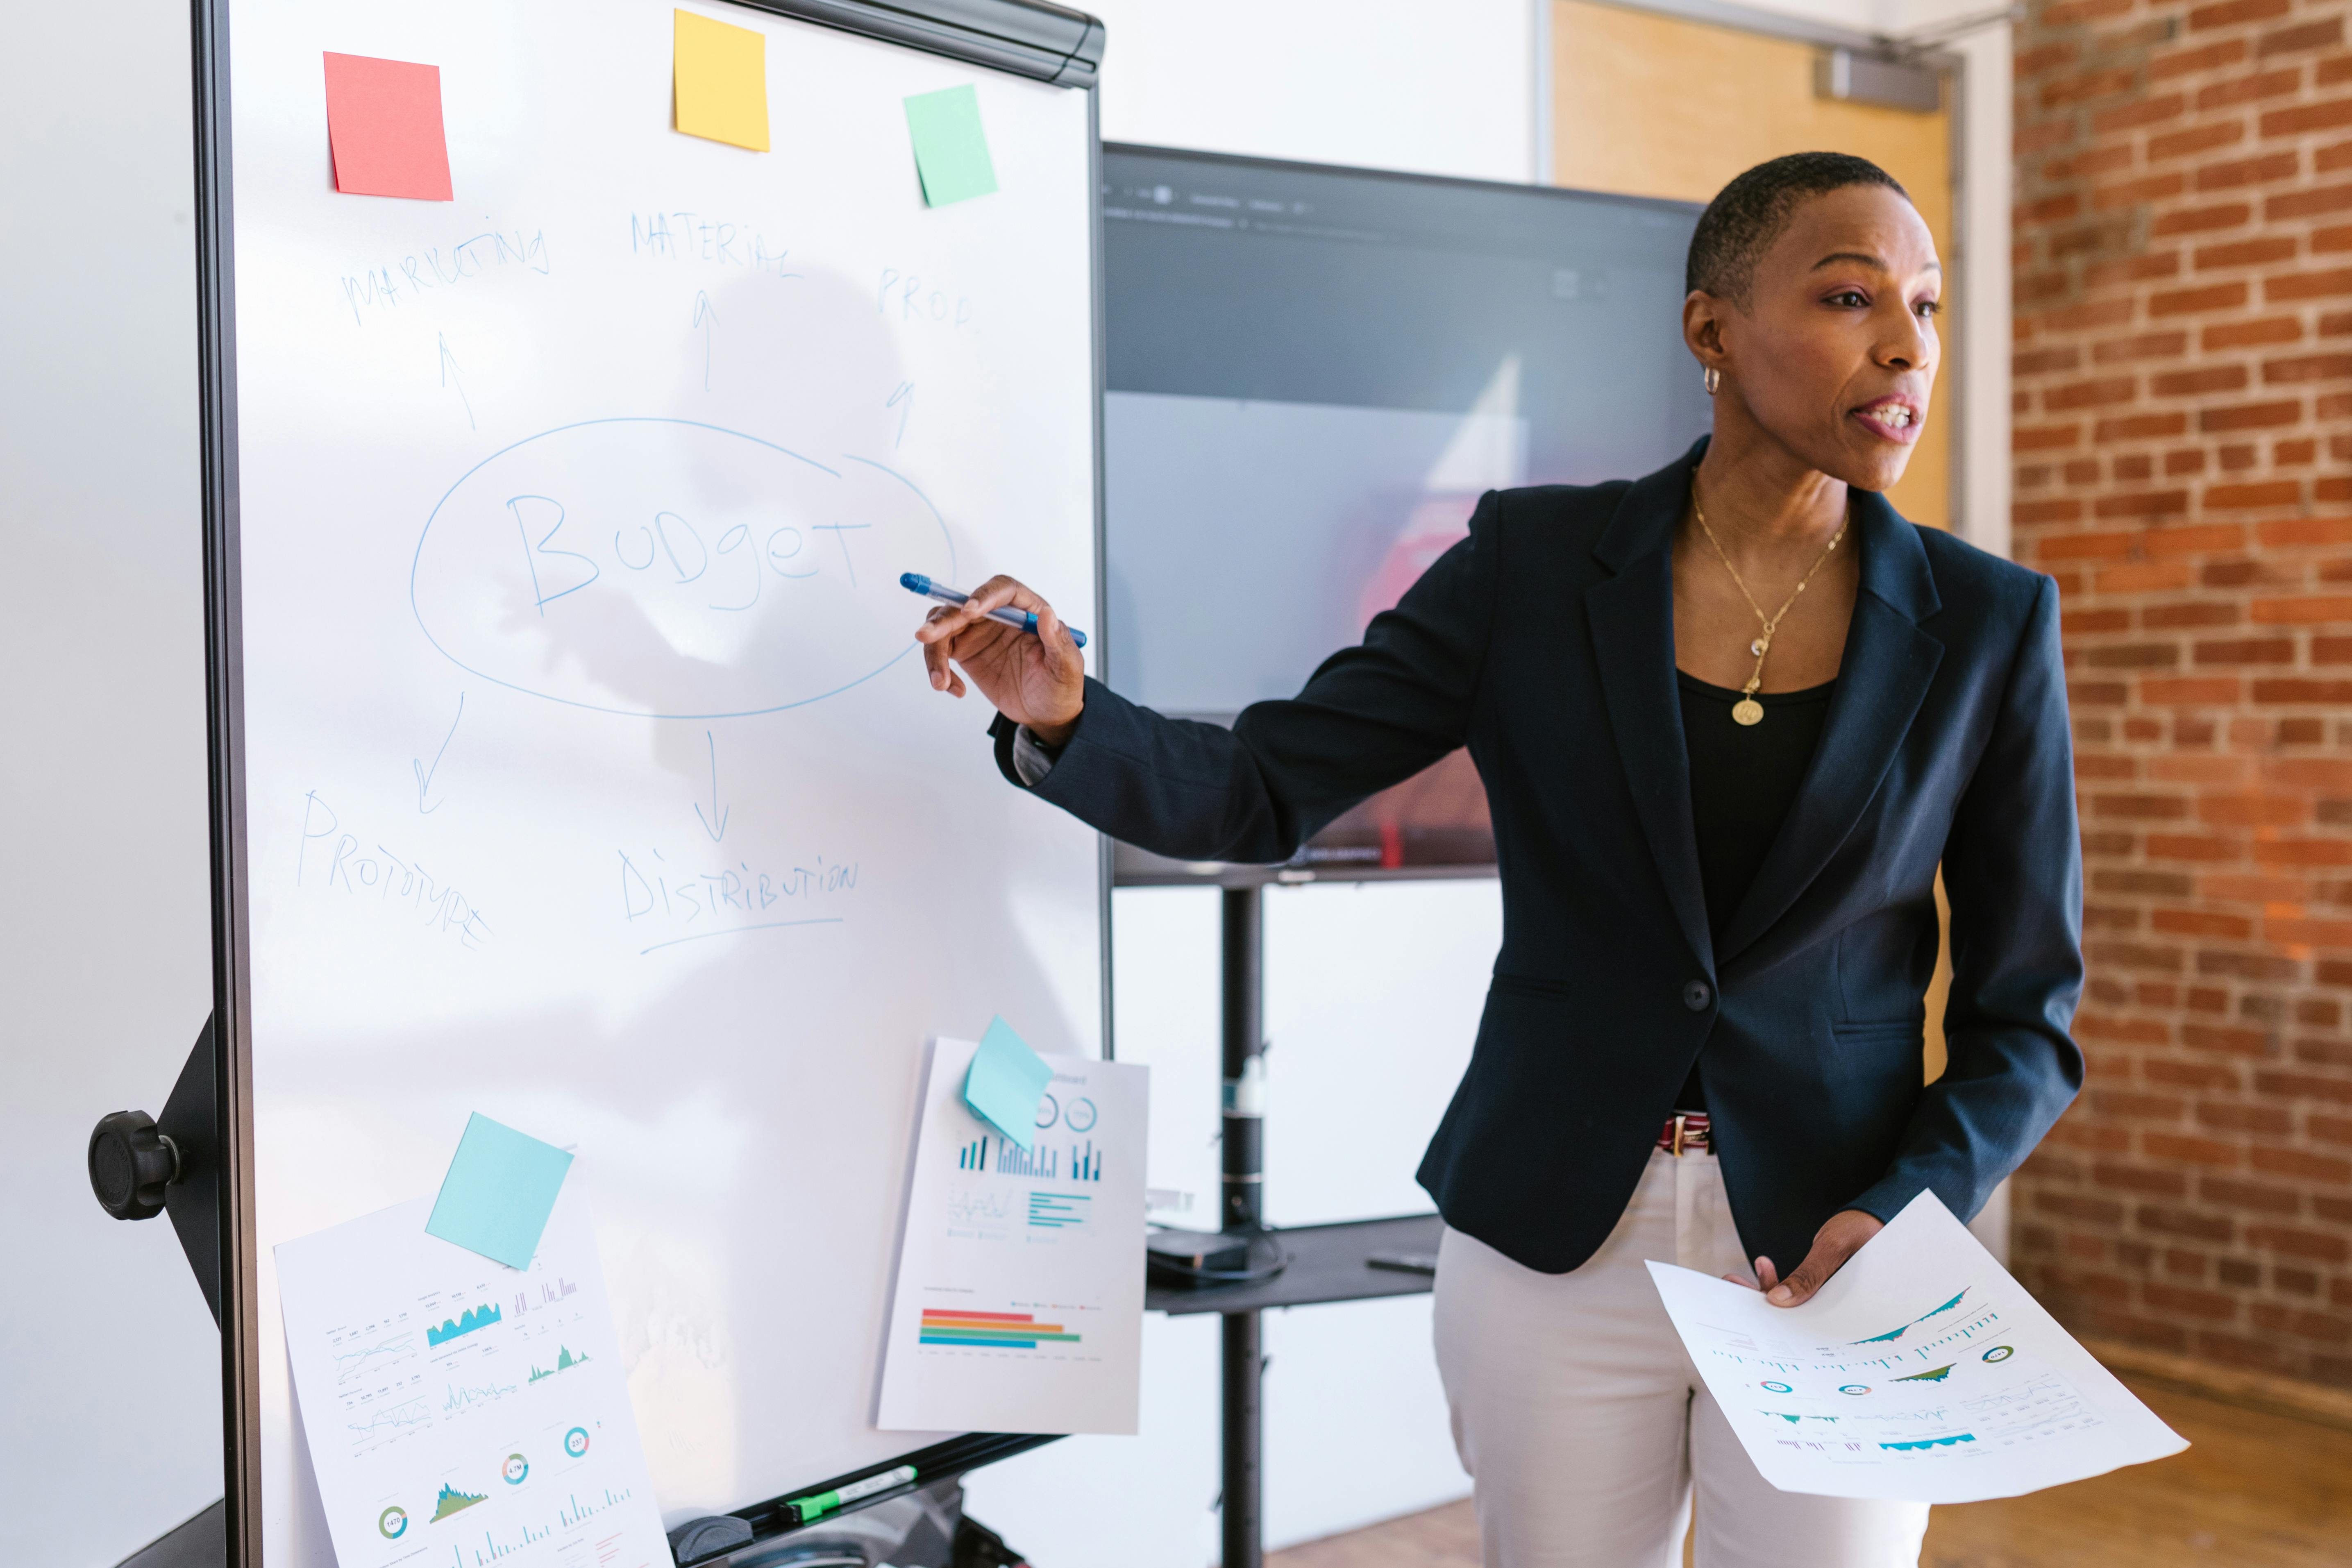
810, 1507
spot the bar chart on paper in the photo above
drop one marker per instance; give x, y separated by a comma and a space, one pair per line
460, 1405
992, 1330
1078, 1160
1020, 1283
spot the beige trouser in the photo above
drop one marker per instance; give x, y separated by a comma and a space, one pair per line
1584, 1425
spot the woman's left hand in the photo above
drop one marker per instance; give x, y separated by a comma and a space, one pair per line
1836, 1242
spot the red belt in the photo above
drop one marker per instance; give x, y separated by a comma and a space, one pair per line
1686, 1133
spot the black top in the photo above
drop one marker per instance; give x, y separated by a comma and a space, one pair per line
1545, 642
1743, 779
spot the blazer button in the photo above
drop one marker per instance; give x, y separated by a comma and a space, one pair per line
1698, 994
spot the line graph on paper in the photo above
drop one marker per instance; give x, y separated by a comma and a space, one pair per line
374, 1428
1889, 1357
353, 1363
982, 1206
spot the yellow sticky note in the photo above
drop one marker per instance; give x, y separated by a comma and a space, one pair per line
718, 84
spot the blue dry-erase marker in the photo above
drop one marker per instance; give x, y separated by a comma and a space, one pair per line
1019, 620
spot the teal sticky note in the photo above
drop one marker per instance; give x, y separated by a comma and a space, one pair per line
950, 149
498, 1193
1005, 1082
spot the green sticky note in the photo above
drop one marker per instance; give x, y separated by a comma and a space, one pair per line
1005, 1082
498, 1193
950, 149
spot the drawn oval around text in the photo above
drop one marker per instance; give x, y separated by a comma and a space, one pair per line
668, 569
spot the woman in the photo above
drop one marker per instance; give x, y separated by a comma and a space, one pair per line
1730, 719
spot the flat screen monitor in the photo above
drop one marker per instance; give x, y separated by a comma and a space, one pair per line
1314, 373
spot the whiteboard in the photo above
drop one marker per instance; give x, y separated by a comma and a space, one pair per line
590, 779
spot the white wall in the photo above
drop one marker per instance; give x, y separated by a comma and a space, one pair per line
109, 1369
1386, 84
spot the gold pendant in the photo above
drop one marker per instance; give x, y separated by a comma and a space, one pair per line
1748, 710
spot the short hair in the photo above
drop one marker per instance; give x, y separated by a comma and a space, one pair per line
1747, 215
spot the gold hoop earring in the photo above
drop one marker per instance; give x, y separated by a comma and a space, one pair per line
1710, 378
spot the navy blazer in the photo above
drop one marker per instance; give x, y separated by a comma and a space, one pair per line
1545, 642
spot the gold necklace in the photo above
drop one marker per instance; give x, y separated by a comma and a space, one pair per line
1748, 710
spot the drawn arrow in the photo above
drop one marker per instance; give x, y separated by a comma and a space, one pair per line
719, 832
703, 316
906, 394
449, 378
424, 773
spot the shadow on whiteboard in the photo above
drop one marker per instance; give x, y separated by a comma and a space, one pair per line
670, 569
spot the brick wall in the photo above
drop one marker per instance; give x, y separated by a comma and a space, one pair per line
2184, 468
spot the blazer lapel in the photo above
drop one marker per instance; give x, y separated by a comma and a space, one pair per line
1631, 617
1882, 679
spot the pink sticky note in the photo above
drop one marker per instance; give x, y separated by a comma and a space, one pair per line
383, 127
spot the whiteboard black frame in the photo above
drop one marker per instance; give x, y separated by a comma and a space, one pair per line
1031, 38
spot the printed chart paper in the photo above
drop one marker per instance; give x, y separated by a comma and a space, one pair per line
460, 1413
1922, 1373
1019, 1298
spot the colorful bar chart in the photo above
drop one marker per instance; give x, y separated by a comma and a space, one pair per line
990, 1331
1085, 1162
973, 1157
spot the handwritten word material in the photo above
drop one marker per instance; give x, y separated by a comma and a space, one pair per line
687, 235
501, 1186
383, 129
1020, 1293
1006, 1083
1921, 1371
434, 1383
719, 84
950, 148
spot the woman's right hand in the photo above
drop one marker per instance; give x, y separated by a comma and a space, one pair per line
1037, 680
